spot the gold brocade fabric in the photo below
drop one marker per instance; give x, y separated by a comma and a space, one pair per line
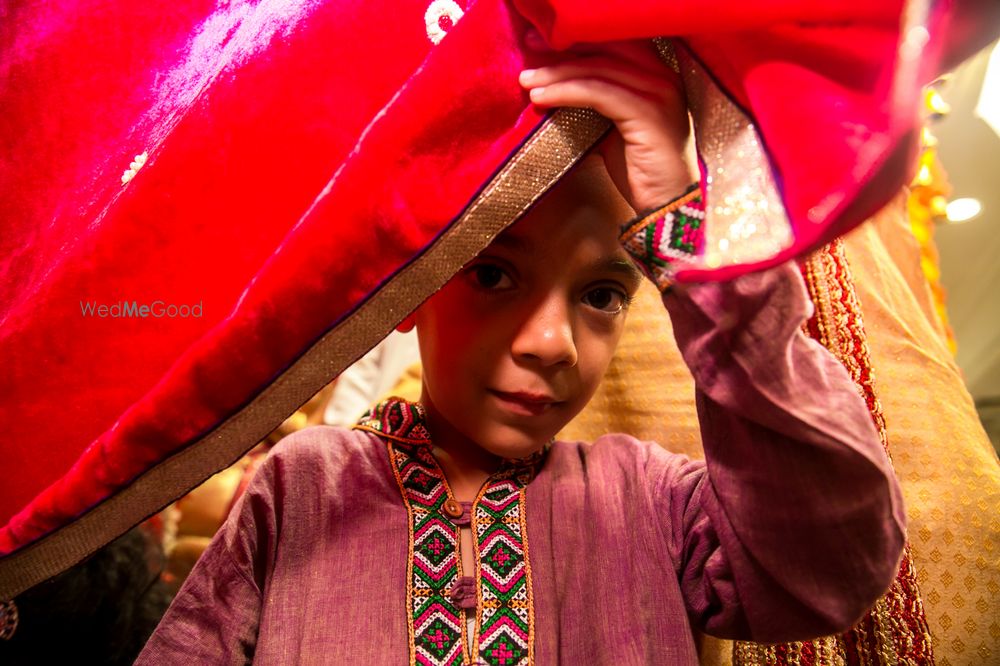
947, 467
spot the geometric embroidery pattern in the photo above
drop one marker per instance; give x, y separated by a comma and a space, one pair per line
504, 617
397, 419
435, 623
661, 242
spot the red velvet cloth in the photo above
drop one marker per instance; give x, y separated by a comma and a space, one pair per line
299, 154
833, 96
257, 201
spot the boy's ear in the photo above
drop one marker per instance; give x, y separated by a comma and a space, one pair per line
407, 324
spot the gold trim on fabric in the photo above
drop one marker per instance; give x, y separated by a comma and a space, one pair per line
838, 314
665, 49
745, 219
547, 156
529, 577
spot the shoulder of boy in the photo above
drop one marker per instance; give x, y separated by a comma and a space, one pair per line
320, 445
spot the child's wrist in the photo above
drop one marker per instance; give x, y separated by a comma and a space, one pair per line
661, 238
663, 189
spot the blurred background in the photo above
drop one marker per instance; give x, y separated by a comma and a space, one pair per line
968, 146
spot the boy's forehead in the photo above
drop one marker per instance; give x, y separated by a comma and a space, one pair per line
589, 183
585, 197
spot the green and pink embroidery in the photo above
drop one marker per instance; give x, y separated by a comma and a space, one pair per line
504, 619
664, 240
504, 616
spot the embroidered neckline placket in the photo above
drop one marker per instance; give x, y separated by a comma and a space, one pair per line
504, 627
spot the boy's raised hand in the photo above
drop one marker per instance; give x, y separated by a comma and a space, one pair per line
628, 83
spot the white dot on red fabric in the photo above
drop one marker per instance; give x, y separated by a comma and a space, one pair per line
440, 17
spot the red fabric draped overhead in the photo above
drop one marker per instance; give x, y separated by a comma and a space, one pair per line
832, 88
309, 172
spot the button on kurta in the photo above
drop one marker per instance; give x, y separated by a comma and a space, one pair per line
463, 592
453, 508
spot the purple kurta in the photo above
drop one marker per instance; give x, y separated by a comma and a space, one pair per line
792, 530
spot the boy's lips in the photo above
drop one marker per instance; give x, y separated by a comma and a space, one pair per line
525, 403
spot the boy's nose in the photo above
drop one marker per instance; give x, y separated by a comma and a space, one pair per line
546, 335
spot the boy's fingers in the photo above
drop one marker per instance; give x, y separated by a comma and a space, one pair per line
609, 99
660, 84
640, 119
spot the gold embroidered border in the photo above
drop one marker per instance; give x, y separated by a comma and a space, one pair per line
552, 151
745, 218
838, 319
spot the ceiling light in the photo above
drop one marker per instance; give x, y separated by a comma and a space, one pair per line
961, 210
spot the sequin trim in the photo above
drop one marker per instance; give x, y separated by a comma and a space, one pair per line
504, 628
747, 221
667, 239
895, 630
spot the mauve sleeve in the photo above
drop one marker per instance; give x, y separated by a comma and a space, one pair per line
797, 527
215, 616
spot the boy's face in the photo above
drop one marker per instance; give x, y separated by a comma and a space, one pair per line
515, 344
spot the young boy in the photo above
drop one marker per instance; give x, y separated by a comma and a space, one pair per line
455, 531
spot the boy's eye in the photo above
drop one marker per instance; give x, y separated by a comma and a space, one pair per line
490, 276
606, 299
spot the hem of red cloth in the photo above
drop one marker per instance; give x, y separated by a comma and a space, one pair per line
543, 159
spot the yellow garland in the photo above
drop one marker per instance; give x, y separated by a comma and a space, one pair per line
926, 205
